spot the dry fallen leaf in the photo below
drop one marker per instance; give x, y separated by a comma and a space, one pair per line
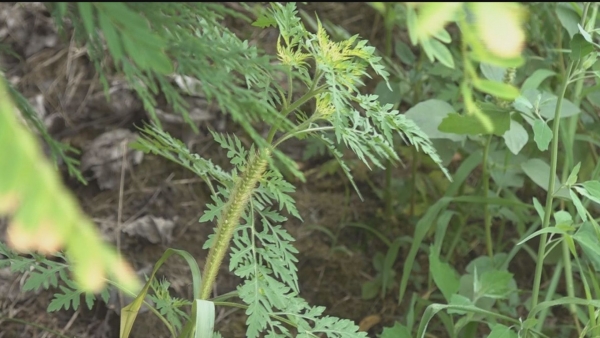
368, 322
104, 156
154, 229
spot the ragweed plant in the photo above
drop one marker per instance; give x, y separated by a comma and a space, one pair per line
247, 202
153, 45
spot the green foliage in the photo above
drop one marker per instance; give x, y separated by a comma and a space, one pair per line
514, 114
41, 212
262, 253
43, 273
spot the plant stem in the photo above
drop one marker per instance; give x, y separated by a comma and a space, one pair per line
551, 186
486, 188
233, 210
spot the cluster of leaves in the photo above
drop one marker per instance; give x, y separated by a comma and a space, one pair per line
44, 273
262, 251
547, 131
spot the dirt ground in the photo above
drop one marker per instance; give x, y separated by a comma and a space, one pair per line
55, 75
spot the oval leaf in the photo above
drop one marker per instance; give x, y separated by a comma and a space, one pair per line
500, 90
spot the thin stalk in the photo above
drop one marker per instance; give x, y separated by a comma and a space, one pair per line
551, 187
489, 244
566, 259
550, 294
569, 131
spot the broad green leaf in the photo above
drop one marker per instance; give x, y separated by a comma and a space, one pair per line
411, 24
443, 36
492, 72
387, 96
500, 90
547, 104
205, 318
404, 53
585, 34
494, 284
562, 217
472, 125
587, 238
444, 276
428, 49
536, 79
396, 331
580, 48
428, 115
515, 137
568, 18
593, 189
539, 172
442, 54
370, 289
542, 134
502, 331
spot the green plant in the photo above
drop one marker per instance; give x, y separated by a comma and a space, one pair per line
487, 293
143, 41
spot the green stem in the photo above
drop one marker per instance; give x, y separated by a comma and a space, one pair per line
551, 186
486, 188
389, 209
240, 195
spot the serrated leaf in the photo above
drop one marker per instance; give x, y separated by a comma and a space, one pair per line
542, 134
264, 21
